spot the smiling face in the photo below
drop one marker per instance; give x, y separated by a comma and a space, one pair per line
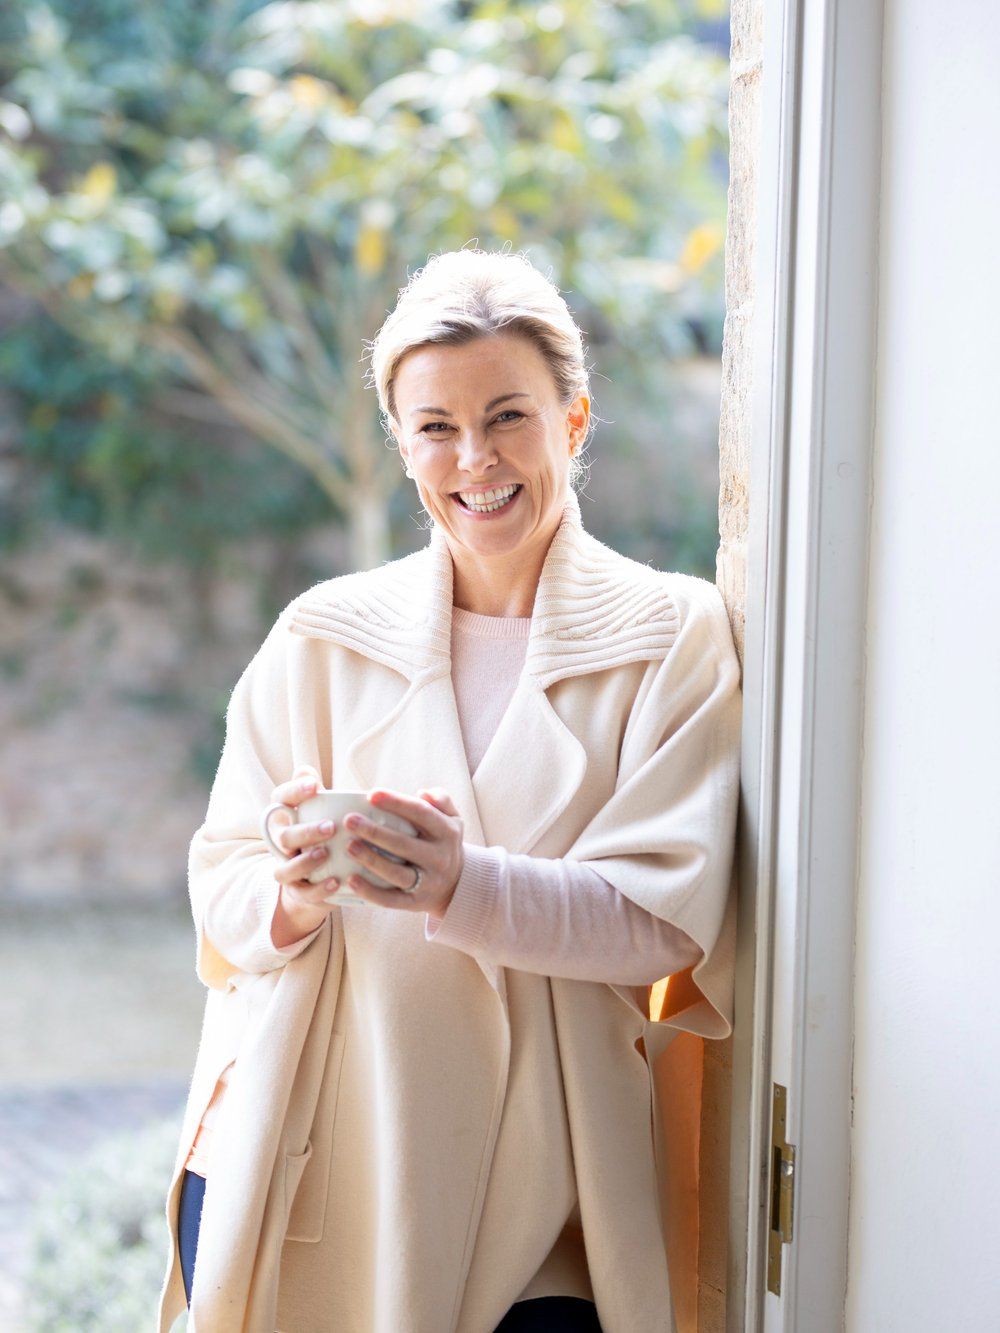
484, 417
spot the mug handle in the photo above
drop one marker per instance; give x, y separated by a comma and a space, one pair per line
265, 828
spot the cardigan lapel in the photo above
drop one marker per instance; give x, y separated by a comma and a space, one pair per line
530, 772
593, 609
420, 744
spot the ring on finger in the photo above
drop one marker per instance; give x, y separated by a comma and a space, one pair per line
416, 883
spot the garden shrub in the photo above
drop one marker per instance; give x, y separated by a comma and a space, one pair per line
98, 1237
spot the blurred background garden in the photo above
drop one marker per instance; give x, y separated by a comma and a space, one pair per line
205, 209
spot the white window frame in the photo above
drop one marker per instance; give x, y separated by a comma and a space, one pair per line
813, 419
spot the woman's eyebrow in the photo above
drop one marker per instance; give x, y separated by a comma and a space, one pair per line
441, 412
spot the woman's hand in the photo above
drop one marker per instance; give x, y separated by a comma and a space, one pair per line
300, 906
436, 849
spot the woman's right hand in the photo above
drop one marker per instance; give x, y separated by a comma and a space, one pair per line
300, 906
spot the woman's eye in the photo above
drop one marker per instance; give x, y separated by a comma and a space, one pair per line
511, 414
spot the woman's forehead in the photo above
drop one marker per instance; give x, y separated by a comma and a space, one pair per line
474, 370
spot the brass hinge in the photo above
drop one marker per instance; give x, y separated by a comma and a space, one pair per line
782, 1192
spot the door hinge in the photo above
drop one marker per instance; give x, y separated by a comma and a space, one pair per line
782, 1188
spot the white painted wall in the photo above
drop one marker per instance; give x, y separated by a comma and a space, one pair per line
925, 1188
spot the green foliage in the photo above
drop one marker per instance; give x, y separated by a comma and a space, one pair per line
687, 542
96, 455
238, 190
382, 131
99, 1239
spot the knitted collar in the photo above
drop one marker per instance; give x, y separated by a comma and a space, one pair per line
594, 608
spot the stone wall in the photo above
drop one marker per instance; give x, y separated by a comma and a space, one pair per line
114, 677
747, 17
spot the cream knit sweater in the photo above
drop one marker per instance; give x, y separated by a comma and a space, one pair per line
554, 917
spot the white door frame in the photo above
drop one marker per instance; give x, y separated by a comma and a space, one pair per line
813, 387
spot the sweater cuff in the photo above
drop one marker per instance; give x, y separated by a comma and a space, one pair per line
464, 923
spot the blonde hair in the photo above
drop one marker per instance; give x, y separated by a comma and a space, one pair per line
469, 293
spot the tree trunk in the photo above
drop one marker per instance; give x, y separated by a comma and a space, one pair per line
368, 529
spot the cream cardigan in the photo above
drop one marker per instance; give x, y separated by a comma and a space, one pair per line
619, 748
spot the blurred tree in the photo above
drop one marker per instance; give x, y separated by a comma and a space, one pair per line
102, 457
237, 190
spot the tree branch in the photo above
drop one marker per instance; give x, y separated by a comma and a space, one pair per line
249, 411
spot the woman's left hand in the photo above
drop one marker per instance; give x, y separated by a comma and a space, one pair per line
436, 849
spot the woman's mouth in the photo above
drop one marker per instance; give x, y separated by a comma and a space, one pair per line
489, 502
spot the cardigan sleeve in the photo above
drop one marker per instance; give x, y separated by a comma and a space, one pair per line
666, 839
663, 843
231, 880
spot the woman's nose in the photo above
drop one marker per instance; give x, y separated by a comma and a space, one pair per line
475, 452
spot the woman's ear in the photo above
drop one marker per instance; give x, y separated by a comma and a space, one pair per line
578, 418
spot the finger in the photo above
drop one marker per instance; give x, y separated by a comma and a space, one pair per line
393, 898
304, 894
399, 873
439, 798
297, 837
297, 790
389, 839
301, 866
426, 817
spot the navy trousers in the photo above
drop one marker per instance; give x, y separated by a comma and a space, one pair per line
542, 1314
188, 1222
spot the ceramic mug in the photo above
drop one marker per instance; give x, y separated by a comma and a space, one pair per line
335, 805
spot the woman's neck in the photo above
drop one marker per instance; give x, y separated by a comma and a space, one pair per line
504, 584
496, 586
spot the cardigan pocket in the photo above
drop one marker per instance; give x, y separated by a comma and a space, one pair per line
295, 1165
306, 1201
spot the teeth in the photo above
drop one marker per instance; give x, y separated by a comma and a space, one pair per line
487, 501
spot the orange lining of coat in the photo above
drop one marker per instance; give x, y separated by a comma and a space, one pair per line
673, 994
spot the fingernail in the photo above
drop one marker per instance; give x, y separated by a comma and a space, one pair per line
326, 826
318, 853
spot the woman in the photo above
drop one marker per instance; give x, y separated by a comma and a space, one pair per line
431, 1111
